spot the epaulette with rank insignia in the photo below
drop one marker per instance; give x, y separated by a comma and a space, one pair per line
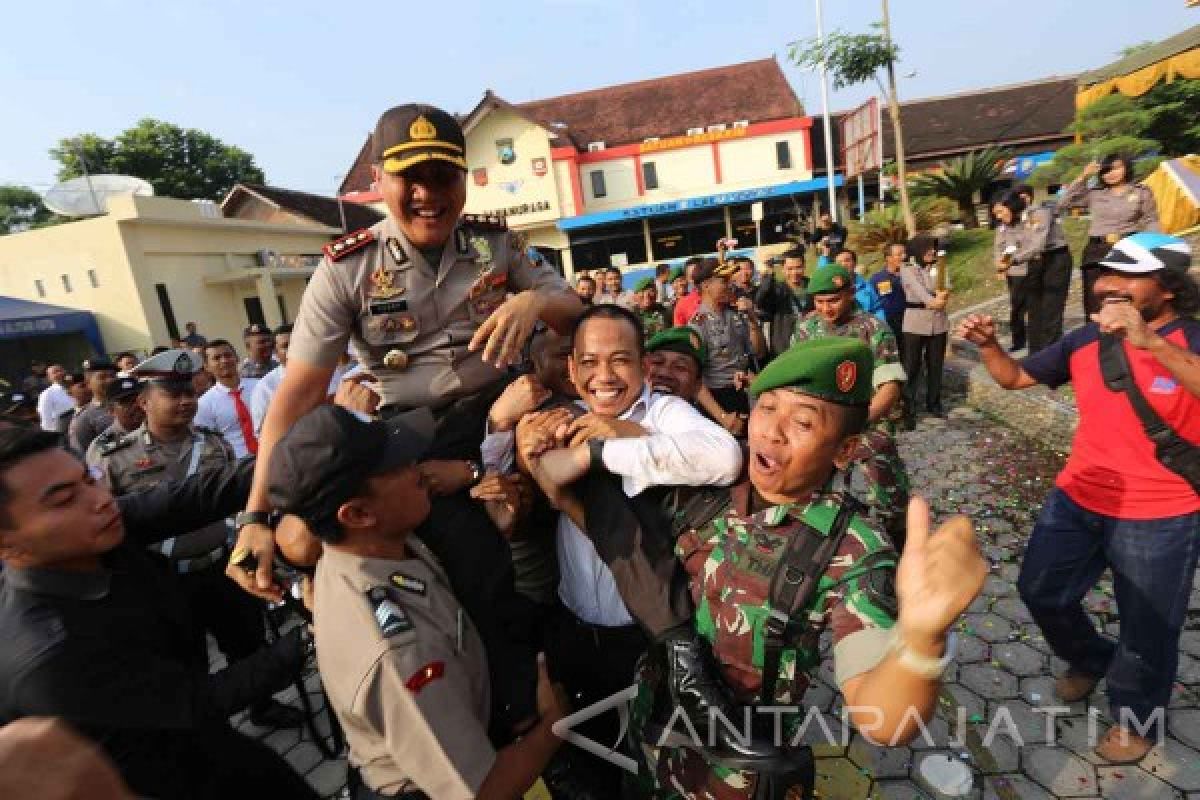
210, 431
485, 222
119, 443
342, 247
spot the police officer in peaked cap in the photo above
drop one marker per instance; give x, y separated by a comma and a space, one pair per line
436, 305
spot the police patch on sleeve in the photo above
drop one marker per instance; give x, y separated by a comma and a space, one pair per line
390, 617
408, 583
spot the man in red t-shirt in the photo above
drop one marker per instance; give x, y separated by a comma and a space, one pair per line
1115, 505
685, 307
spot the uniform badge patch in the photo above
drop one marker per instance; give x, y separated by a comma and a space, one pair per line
398, 254
484, 248
383, 286
1163, 385
885, 287
425, 676
408, 583
390, 617
846, 375
340, 248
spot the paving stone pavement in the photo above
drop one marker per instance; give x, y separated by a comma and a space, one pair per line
993, 714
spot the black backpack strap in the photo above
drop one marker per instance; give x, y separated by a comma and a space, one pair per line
1172, 450
692, 508
796, 577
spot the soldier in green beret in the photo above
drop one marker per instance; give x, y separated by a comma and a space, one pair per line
774, 561
837, 313
645, 305
674, 364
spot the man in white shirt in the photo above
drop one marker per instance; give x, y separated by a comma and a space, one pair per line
55, 400
260, 398
225, 408
646, 439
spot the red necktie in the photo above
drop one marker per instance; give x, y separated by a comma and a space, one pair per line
244, 421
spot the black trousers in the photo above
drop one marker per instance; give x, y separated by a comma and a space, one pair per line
1095, 250
593, 663
1018, 303
928, 353
1046, 287
896, 323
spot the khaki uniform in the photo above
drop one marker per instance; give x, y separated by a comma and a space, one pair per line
377, 289
406, 673
1114, 216
726, 336
919, 287
87, 425
110, 434
1024, 248
138, 461
1046, 229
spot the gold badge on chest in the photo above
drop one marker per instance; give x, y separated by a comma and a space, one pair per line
383, 285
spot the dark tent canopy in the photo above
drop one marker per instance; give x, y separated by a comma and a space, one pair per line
22, 319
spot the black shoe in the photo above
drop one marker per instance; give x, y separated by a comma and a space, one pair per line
697, 689
271, 713
937, 410
910, 422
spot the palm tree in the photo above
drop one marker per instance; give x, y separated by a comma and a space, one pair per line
960, 179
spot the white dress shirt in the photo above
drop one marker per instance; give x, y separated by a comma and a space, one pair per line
682, 448
53, 402
264, 390
218, 412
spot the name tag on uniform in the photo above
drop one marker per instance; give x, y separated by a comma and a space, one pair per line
388, 308
884, 287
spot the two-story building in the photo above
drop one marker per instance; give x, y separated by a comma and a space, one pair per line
640, 173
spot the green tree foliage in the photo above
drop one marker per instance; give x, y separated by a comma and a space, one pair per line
177, 162
1115, 124
960, 179
885, 225
851, 58
21, 209
1175, 110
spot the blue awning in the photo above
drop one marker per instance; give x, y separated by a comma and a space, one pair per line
1022, 167
20, 319
696, 203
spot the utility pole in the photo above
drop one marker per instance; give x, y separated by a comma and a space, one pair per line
830, 169
897, 130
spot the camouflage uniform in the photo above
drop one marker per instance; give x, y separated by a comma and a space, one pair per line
730, 562
654, 320
886, 479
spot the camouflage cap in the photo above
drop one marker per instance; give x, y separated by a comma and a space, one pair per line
644, 284
679, 340
833, 368
830, 279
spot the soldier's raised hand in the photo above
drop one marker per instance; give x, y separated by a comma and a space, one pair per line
939, 574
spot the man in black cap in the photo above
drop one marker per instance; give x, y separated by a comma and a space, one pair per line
126, 415
18, 408
78, 389
437, 306
405, 669
259, 341
99, 374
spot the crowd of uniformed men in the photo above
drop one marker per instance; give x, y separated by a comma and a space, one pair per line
520, 501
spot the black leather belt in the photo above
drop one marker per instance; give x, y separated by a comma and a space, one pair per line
914, 305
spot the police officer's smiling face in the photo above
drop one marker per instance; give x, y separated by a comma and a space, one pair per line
606, 365
56, 514
795, 439
425, 200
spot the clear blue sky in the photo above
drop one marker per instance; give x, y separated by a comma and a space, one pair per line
298, 84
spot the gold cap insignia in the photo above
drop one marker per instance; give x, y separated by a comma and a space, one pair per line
422, 129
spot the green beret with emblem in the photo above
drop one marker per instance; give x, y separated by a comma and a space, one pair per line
679, 340
830, 279
833, 368
644, 284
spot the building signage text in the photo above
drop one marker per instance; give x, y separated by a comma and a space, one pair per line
516, 211
674, 142
16, 327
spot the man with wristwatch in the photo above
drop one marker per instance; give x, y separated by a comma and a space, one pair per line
774, 561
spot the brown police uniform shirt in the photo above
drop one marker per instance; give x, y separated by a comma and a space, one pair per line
87, 425
1024, 248
138, 461
726, 335
406, 673
385, 297
1045, 228
1114, 215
